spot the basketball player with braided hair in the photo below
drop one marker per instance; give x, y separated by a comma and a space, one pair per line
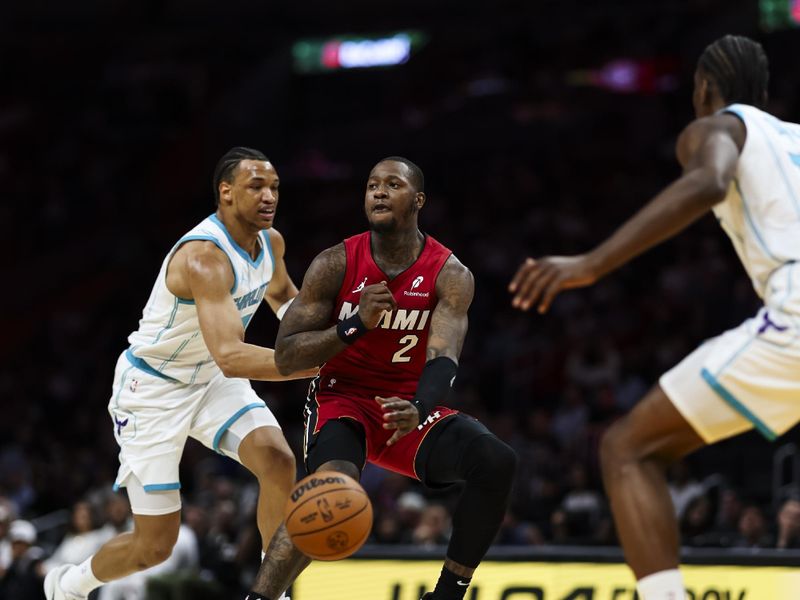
744, 165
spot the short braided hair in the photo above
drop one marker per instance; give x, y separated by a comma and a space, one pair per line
739, 67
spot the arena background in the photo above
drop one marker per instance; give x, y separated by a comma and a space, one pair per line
539, 125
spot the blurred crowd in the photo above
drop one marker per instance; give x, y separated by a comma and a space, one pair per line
108, 160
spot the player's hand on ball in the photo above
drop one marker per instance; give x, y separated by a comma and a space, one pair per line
398, 414
375, 299
538, 282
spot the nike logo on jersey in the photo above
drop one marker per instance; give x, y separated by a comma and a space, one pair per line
360, 286
462, 583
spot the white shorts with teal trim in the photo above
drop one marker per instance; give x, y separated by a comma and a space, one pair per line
748, 377
152, 417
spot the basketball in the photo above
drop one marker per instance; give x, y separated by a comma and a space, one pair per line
328, 515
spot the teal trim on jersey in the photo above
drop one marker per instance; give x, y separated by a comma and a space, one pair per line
178, 350
268, 244
226, 425
197, 368
216, 242
795, 158
162, 487
143, 366
185, 300
171, 319
246, 320
731, 401
122, 379
237, 247
734, 108
749, 218
784, 176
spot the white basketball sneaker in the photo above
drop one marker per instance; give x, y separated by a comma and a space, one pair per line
52, 585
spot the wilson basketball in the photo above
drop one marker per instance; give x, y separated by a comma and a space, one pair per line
328, 515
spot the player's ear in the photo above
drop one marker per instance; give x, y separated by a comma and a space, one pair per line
224, 192
419, 200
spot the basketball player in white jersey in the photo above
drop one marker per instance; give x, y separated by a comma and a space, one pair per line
743, 164
186, 374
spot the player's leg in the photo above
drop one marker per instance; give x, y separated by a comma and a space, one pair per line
743, 379
266, 454
151, 440
338, 446
635, 453
156, 517
232, 420
464, 450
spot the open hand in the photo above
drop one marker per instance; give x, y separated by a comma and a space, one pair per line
539, 281
398, 414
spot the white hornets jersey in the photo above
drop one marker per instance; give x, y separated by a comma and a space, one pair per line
761, 213
168, 342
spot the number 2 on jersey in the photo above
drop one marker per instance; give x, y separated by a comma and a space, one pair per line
407, 342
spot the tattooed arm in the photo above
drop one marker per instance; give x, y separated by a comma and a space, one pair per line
305, 335
455, 287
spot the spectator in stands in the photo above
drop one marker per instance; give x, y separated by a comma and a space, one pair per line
82, 540
696, 522
434, 526
682, 487
789, 524
22, 579
515, 532
5, 542
118, 515
753, 532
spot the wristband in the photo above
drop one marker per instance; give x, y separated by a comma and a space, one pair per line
434, 385
350, 329
283, 308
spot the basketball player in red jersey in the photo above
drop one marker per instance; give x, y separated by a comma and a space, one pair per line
385, 313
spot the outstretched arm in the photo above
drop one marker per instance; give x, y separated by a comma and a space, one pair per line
207, 272
709, 150
455, 288
306, 338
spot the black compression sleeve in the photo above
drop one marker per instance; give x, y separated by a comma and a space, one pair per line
434, 385
351, 329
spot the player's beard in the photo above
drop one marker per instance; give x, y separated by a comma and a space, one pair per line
392, 224
384, 226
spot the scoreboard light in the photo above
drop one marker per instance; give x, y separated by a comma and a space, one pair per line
349, 52
779, 14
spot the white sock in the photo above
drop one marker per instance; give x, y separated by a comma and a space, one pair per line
80, 579
664, 585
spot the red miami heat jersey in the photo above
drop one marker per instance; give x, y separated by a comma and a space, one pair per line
388, 360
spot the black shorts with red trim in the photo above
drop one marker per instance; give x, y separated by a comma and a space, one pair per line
364, 413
